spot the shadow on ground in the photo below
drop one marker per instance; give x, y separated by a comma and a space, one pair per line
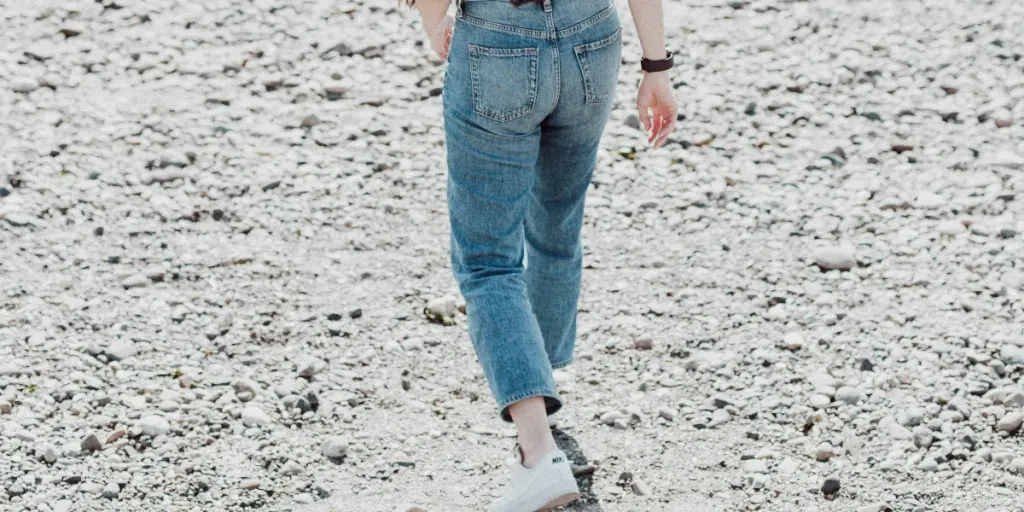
584, 472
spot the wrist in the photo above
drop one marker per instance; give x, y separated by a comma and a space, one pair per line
656, 55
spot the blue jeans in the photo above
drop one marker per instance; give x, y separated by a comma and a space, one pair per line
527, 94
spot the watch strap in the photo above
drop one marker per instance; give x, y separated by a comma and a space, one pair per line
654, 66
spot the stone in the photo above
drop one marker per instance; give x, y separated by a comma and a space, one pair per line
111, 490
253, 416
91, 443
120, 350
334, 448
1012, 354
823, 452
154, 426
848, 395
834, 258
249, 484
1010, 423
922, 437
830, 487
755, 466
24, 85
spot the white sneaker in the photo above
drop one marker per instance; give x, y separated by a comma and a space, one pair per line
549, 484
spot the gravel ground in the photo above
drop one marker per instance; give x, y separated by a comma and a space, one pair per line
224, 281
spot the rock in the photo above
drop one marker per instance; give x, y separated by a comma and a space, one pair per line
91, 443
643, 344
633, 122
755, 466
928, 464
111, 490
310, 121
848, 395
62, 506
1010, 423
290, 387
135, 281
1012, 354
922, 437
950, 228
834, 258
830, 487
1017, 466
876, 507
334, 448
19, 220
718, 417
253, 416
819, 401
91, 488
823, 452
154, 426
48, 453
911, 417
120, 350
24, 85
1006, 159
5, 407
249, 484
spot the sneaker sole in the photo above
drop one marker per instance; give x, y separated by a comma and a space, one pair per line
559, 501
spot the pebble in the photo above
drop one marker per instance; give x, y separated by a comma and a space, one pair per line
24, 85
254, 416
928, 464
334, 448
1010, 423
755, 466
91, 443
823, 452
91, 488
249, 484
154, 426
719, 417
834, 258
1012, 355
922, 437
48, 453
830, 486
62, 506
111, 490
848, 395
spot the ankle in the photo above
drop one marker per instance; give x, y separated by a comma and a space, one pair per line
533, 451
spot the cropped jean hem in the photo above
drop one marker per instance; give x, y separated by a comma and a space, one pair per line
551, 402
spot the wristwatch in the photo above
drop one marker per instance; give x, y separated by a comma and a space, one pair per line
653, 66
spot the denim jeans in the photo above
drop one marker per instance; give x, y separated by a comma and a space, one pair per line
527, 94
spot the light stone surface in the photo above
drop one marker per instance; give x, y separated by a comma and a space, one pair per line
222, 223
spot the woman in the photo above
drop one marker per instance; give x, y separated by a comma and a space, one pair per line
527, 93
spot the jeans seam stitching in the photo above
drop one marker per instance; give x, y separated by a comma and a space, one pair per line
526, 394
587, 22
490, 25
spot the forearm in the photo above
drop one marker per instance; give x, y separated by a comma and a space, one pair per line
432, 11
650, 26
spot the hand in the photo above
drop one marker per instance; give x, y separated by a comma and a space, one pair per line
441, 35
657, 107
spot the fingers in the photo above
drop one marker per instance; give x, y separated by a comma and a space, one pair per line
665, 132
645, 116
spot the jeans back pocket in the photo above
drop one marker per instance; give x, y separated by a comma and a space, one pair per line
504, 81
599, 61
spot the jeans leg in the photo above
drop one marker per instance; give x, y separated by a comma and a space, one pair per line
554, 220
490, 177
